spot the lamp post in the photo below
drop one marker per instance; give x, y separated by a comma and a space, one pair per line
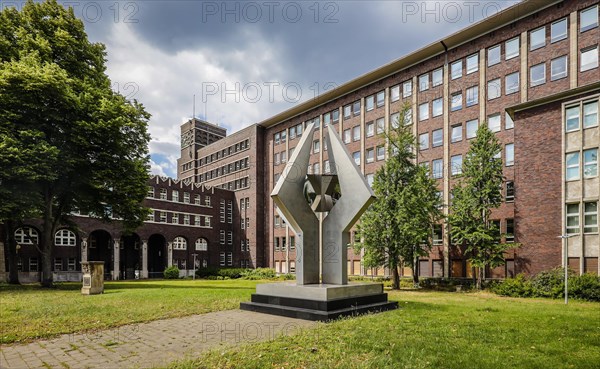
565, 240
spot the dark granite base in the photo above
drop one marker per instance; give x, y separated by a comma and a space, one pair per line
316, 310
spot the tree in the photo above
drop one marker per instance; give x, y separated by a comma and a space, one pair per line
54, 90
475, 195
397, 227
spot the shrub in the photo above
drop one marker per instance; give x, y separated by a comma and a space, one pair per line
207, 272
585, 287
231, 273
171, 272
288, 277
259, 273
514, 287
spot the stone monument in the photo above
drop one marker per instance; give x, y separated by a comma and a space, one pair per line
93, 277
321, 291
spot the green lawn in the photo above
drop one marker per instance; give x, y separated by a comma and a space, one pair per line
436, 330
30, 312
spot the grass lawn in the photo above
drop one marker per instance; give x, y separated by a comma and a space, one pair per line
435, 330
29, 312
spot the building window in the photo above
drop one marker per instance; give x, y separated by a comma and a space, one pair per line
589, 58
222, 259
510, 230
424, 141
508, 121
163, 194
370, 129
222, 237
471, 127
511, 83
437, 107
558, 30
186, 197
316, 146
207, 221
347, 111
150, 192
71, 263
175, 218
511, 48
437, 77
370, 103
229, 211
509, 155
356, 107
370, 155
424, 82
395, 120
33, 264
572, 117
494, 89
277, 138
558, 68
438, 168
590, 217
186, 219
197, 221
590, 114
316, 168
57, 264
572, 218
494, 123
347, 136
456, 165
457, 133
572, 162
423, 111
356, 133
150, 216
64, 237
26, 236
407, 89
179, 243
493, 55
456, 101
356, 157
588, 18
456, 69
437, 138
537, 38
472, 63
537, 75
283, 136
175, 196
437, 234
230, 238
276, 243
380, 152
283, 157
472, 96
380, 125
380, 99
326, 167
510, 191
395, 93
590, 163
163, 216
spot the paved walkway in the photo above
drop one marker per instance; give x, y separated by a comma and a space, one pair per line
151, 344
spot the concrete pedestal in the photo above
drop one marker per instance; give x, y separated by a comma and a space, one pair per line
93, 277
318, 302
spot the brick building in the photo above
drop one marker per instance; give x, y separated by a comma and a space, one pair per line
530, 72
188, 223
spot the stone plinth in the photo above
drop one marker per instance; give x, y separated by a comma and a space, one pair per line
318, 302
93, 277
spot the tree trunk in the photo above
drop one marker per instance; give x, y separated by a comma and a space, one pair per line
11, 246
479, 278
46, 244
415, 273
395, 278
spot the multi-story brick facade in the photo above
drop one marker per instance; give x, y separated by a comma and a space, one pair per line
186, 225
502, 72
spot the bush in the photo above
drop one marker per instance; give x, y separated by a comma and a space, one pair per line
223, 273
550, 284
231, 273
259, 273
207, 272
171, 272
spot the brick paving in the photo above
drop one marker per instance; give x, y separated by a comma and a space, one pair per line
147, 345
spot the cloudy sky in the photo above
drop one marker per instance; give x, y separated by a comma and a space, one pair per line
248, 60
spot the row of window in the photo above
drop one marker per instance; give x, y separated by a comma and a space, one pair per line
68, 264
590, 217
225, 237
244, 203
245, 245
573, 164
235, 185
225, 169
456, 163
226, 262
585, 113
163, 195
30, 236
226, 212
280, 243
180, 243
233, 149
179, 218
245, 223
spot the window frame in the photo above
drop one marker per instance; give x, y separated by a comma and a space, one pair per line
587, 27
508, 45
590, 228
507, 83
454, 76
564, 74
440, 133
494, 85
559, 37
539, 82
574, 166
539, 45
496, 59
572, 229
591, 163
470, 58
581, 55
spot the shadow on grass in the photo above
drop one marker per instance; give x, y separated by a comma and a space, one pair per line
115, 285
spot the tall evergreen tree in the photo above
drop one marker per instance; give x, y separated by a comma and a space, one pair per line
476, 194
397, 227
56, 100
